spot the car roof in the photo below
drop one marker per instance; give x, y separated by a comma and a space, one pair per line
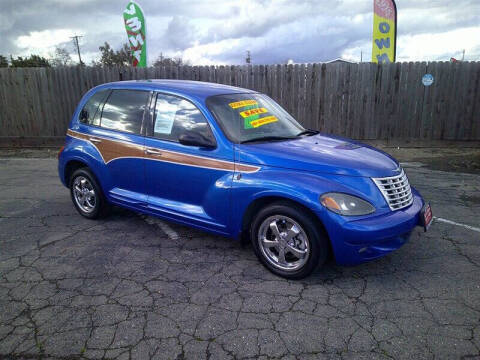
189, 88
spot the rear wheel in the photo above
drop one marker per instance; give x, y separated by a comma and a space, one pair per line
87, 196
288, 240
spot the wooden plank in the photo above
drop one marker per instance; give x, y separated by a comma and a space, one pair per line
228, 75
344, 74
466, 116
427, 105
476, 103
432, 116
330, 104
441, 109
405, 95
288, 89
327, 89
307, 108
7, 113
4, 114
269, 79
351, 82
263, 81
301, 95
256, 78
323, 98
316, 95
420, 69
395, 123
282, 77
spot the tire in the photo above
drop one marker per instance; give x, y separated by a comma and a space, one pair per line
305, 244
91, 204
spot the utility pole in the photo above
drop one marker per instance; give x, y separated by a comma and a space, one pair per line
463, 55
75, 42
248, 60
361, 56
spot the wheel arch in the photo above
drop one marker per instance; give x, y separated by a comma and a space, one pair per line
264, 201
74, 164
71, 166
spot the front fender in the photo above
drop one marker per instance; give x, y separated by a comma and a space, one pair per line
300, 186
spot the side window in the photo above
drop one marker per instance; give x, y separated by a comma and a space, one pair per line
174, 116
90, 114
124, 110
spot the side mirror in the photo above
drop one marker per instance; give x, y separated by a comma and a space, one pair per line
194, 138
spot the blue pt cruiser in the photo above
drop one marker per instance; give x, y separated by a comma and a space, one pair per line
233, 162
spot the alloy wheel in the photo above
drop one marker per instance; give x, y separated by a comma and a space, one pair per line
284, 243
84, 194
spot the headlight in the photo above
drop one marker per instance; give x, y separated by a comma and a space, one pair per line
344, 204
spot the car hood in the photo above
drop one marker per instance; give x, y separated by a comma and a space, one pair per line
320, 153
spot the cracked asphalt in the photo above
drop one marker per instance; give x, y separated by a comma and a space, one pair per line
126, 287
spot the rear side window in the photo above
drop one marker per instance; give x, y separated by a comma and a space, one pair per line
90, 114
124, 110
174, 116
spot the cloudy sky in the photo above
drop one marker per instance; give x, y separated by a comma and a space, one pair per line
220, 32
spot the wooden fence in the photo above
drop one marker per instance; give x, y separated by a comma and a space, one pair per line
362, 101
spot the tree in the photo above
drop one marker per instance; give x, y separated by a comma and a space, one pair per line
32, 61
3, 61
166, 61
61, 57
110, 57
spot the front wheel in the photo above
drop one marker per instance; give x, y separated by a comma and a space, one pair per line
288, 240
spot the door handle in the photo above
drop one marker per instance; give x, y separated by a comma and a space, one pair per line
151, 151
95, 140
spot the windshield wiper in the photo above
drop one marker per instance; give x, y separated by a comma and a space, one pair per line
267, 138
308, 132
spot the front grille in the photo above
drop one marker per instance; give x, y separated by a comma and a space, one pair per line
396, 190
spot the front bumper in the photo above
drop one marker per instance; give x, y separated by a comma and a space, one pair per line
358, 241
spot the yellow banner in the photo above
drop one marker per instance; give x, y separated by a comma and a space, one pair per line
384, 31
236, 105
251, 112
263, 121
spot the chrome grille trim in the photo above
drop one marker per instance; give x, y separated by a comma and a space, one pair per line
396, 190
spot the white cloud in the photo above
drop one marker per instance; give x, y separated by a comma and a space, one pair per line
438, 46
210, 31
43, 42
203, 54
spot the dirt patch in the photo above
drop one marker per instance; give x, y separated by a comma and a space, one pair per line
465, 160
30, 153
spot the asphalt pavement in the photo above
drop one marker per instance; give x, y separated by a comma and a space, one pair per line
136, 287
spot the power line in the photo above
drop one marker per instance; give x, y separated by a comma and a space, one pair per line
75, 42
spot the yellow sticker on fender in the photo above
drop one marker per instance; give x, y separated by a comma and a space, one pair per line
251, 112
242, 103
263, 121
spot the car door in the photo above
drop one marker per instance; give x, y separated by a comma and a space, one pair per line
120, 142
190, 184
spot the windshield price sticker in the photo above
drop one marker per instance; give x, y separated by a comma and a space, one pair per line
248, 113
238, 104
263, 121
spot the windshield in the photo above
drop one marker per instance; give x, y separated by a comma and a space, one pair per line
247, 117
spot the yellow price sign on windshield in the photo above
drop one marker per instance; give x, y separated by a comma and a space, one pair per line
263, 121
238, 104
248, 113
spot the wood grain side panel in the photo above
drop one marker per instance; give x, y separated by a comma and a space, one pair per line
184, 159
110, 149
114, 149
